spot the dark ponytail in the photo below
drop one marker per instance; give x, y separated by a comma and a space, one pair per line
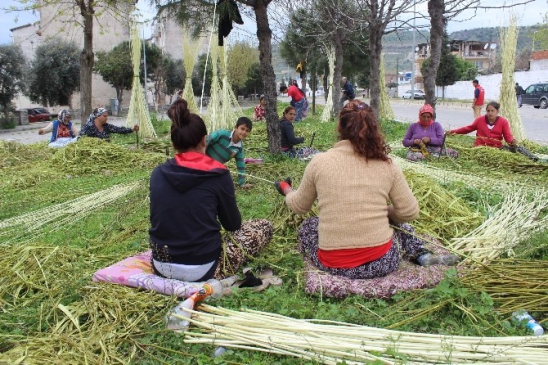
358, 124
187, 129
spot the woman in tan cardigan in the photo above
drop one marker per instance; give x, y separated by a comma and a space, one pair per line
360, 193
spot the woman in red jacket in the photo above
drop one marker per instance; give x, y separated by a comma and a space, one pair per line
491, 129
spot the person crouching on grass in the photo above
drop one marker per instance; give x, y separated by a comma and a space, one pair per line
491, 129
360, 193
191, 198
222, 145
62, 130
97, 126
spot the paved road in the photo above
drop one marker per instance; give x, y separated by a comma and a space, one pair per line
456, 114
535, 121
450, 115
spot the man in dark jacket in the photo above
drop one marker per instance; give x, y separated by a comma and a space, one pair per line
347, 91
519, 93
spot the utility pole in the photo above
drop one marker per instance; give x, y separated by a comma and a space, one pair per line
397, 75
413, 55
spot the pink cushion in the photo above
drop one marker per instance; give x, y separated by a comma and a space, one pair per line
135, 271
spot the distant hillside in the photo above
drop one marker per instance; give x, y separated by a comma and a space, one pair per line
398, 46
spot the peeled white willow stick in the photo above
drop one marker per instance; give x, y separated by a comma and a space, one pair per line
59, 215
330, 344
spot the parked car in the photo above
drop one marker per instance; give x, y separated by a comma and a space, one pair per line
536, 95
419, 94
38, 115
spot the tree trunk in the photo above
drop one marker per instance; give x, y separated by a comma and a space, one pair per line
264, 35
86, 60
376, 31
313, 73
120, 97
303, 82
436, 9
6, 109
337, 74
325, 78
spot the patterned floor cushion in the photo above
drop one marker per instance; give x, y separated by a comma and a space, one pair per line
408, 276
135, 271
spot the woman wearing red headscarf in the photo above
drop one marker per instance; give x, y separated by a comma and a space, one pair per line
425, 138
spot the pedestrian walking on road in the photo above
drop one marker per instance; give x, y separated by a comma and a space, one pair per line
348, 93
479, 97
519, 93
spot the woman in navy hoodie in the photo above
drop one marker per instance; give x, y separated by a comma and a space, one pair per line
191, 197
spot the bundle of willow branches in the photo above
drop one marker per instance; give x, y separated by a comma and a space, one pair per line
330, 342
138, 109
512, 284
35, 223
442, 214
448, 176
514, 220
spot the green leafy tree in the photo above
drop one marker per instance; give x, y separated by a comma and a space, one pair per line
54, 73
539, 37
12, 63
175, 75
466, 69
447, 72
241, 56
305, 37
85, 14
198, 76
116, 68
254, 83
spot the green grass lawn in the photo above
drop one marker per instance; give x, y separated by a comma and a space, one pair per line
51, 311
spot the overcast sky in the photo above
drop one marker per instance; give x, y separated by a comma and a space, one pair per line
529, 14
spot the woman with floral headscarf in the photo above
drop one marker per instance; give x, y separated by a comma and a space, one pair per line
97, 126
426, 137
259, 113
62, 130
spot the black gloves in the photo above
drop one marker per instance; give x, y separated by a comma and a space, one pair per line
282, 185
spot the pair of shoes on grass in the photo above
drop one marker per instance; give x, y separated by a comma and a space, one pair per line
429, 259
258, 282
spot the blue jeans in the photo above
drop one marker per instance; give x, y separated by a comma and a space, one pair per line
299, 109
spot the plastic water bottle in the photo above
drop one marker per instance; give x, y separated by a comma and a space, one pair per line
211, 288
176, 323
219, 351
216, 288
531, 323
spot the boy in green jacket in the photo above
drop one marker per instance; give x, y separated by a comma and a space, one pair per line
222, 145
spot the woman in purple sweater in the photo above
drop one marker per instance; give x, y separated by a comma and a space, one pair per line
425, 138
